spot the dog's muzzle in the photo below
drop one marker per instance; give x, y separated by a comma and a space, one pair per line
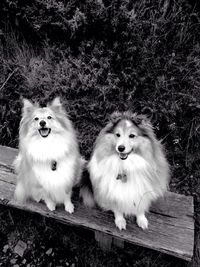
44, 132
120, 150
124, 156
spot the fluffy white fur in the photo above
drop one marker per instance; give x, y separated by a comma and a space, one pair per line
33, 165
145, 168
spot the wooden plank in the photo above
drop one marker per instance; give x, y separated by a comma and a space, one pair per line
106, 241
171, 223
196, 257
7, 155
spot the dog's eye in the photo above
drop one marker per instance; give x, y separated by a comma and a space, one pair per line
49, 117
36, 118
131, 136
117, 134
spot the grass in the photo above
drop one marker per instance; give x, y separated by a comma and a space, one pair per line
101, 56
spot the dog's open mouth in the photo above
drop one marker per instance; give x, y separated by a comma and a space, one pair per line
44, 132
123, 156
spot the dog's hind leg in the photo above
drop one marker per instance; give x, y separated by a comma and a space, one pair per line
20, 194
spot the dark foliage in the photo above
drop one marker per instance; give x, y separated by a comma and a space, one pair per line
102, 56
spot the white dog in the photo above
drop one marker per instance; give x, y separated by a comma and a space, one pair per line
48, 164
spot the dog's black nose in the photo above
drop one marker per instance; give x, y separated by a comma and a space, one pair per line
42, 123
121, 148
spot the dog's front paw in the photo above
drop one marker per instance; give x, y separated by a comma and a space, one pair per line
50, 205
120, 223
37, 197
142, 222
69, 207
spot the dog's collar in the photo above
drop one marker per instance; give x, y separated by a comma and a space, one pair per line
53, 165
122, 177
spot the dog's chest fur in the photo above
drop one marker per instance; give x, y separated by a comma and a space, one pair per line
121, 183
60, 177
52, 161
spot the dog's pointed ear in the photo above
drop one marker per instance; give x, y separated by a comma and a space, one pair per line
27, 106
115, 116
143, 121
138, 119
56, 104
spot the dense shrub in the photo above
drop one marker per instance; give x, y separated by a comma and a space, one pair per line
102, 56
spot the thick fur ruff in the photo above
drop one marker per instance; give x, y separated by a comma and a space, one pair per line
127, 182
48, 164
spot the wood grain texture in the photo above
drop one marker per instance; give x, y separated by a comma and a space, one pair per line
171, 223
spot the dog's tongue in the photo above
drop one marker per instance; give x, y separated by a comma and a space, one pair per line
44, 132
123, 156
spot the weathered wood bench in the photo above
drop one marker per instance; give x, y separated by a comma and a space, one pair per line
171, 223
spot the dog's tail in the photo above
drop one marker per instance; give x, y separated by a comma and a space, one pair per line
86, 192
